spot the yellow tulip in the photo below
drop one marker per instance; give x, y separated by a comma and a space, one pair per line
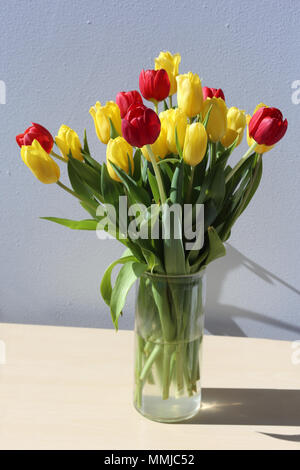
217, 121
189, 94
229, 138
170, 63
159, 148
101, 116
236, 123
40, 163
118, 151
68, 141
195, 144
259, 148
172, 119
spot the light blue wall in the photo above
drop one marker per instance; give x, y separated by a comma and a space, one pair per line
57, 58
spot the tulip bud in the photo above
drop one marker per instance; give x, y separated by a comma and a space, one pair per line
140, 126
267, 126
154, 84
195, 144
217, 121
212, 92
68, 141
159, 148
39, 133
250, 141
102, 115
170, 120
125, 99
40, 163
170, 63
189, 94
119, 152
236, 123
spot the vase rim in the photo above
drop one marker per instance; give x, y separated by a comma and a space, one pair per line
196, 275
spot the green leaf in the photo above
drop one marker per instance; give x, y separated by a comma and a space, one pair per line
216, 246
111, 189
80, 187
144, 168
86, 173
127, 276
91, 162
153, 261
200, 261
87, 154
86, 224
203, 194
224, 153
105, 286
90, 210
168, 160
255, 184
113, 130
179, 149
135, 193
137, 161
177, 184
199, 173
217, 187
154, 186
174, 256
206, 118
85, 143
167, 173
210, 213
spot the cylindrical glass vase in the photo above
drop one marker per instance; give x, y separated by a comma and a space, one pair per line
169, 324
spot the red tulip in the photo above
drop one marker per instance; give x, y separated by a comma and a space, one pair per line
154, 84
36, 132
125, 99
212, 92
266, 126
140, 126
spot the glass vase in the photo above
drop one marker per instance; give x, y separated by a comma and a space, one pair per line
169, 324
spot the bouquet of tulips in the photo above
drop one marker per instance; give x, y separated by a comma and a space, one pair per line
155, 158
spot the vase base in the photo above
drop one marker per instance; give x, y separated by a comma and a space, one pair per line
173, 410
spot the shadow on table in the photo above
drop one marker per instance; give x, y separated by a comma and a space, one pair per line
235, 406
283, 437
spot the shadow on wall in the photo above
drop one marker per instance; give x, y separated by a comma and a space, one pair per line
220, 317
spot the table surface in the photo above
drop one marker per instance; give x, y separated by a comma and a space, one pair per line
71, 388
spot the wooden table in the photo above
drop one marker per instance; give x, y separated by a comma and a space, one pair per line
71, 388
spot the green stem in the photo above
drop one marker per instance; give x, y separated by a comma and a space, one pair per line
148, 364
58, 157
168, 354
139, 366
239, 164
190, 187
258, 163
170, 102
68, 190
213, 153
156, 106
157, 174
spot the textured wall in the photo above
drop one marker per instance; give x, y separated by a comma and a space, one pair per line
57, 58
